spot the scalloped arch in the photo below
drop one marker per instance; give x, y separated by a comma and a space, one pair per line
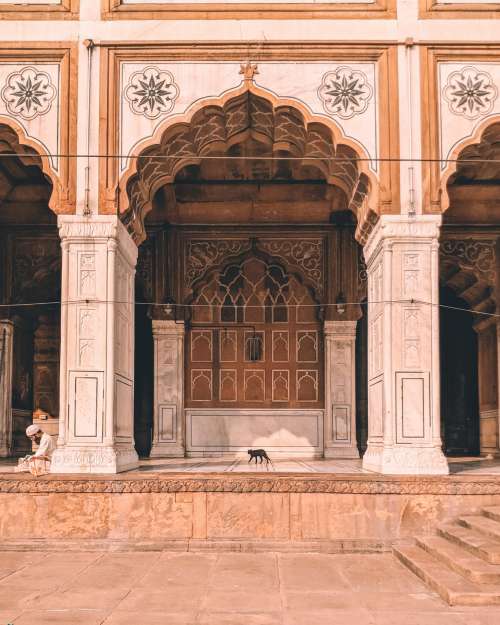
475, 139
213, 124
30, 142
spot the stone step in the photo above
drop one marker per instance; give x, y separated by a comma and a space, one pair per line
492, 512
475, 542
460, 560
452, 587
481, 524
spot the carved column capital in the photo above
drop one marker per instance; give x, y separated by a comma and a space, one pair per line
391, 229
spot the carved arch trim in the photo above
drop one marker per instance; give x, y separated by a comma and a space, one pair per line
318, 137
248, 251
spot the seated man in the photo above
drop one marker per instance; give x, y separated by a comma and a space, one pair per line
38, 462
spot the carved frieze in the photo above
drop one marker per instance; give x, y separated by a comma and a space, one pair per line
305, 255
223, 483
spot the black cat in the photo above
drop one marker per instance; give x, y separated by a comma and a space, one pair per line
259, 453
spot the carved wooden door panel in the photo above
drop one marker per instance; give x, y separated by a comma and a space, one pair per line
254, 340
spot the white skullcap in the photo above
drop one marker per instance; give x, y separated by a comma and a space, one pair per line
31, 430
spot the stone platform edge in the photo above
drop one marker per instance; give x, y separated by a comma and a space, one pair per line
135, 482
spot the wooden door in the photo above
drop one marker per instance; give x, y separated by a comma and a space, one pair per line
254, 339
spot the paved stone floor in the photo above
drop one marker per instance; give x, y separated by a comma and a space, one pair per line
150, 588
477, 466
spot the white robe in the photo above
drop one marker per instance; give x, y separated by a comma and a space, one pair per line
46, 446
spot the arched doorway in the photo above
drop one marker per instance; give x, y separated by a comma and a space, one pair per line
243, 246
468, 271
29, 277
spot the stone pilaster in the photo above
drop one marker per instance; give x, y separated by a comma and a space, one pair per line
97, 347
403, 347
168, 428
6, 367
340, 389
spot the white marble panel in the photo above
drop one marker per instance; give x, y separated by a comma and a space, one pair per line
298, 432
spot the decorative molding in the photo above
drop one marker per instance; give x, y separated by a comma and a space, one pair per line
26, 10
307, 9
345, 92
471, 10
470, 92
224, 483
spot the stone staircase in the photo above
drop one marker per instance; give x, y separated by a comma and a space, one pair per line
462, 562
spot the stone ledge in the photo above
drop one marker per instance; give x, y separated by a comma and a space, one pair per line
199, 545
222, 483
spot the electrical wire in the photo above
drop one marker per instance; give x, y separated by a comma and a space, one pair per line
242, 306
202, 157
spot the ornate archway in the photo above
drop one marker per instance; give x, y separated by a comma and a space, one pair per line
468, 266
212, 127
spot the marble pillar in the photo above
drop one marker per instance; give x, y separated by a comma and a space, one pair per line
6, 368
403, 347
168, 424
97, 347
340, 389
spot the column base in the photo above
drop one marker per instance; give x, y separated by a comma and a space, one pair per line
399, 460
5, 451
344, 453
167, 450
86, 459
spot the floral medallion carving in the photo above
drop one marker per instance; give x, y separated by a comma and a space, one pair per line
345, 92
28, 93
472, 254
470, 92
152, 92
